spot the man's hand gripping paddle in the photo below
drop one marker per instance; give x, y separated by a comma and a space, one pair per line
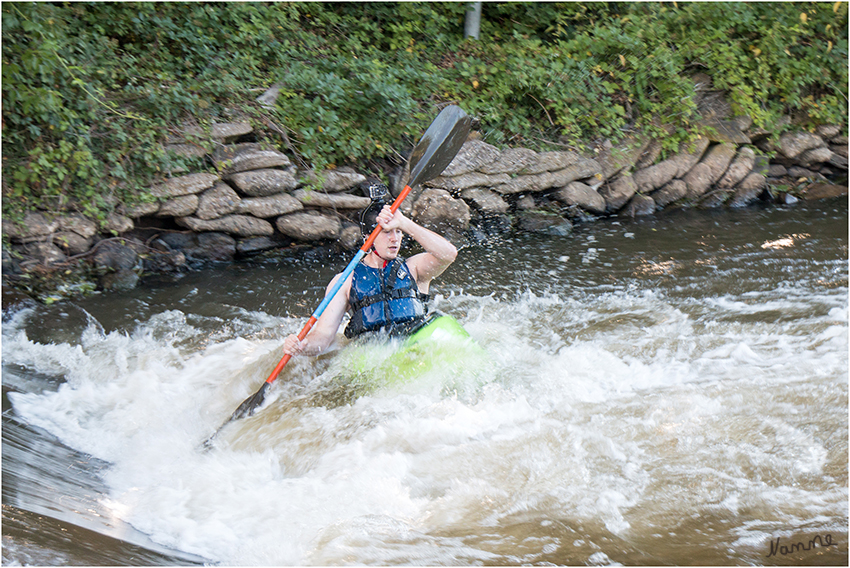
435, 150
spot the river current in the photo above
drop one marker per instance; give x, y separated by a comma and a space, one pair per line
670, 390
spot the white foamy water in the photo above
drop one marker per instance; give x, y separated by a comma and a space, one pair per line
610, 425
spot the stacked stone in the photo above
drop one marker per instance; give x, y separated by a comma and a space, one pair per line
257, 196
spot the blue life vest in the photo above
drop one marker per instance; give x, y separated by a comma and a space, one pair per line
385, 299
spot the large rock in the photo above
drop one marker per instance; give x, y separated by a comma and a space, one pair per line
45, 252
582, 168
468, 180
309, 226
141, 209
698, 180
618, 192
722, 130
34, 226
341, 179
552, 161
117, 224
182, 206
656, 176
438, 211
638, 206
824, 191
473, 155
792, 144
689, 155
248, 156
114, 255
581, 195
72, 243
215, 247
78, 224
510, 161
261, 183
184, 185
486, 201
740, 167
216, 202
814, 156
670, 193
229, 131
526, 183
544, 222
750, 188
238, 225
331, 200
268, 207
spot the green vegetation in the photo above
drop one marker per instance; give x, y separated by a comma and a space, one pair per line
91, 90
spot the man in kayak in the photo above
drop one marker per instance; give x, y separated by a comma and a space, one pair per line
385, 293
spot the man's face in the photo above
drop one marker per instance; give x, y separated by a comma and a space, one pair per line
388, 243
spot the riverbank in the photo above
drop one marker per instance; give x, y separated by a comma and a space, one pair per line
253, 200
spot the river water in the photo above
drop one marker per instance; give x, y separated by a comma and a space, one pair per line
664, 391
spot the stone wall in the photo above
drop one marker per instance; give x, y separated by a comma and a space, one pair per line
258, 200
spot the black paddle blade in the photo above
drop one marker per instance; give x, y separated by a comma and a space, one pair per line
439, 145
247, 408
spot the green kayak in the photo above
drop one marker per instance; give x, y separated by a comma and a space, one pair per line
441, 352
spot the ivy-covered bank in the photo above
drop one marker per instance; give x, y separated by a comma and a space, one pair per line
154, 136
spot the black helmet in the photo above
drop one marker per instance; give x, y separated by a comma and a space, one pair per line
379, 194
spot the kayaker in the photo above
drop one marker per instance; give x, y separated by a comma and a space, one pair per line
386, 293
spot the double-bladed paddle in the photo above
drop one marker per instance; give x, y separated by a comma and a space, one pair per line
435, 150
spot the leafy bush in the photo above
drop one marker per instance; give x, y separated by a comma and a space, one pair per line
92, 90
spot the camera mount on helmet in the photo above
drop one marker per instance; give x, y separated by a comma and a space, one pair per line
379, 194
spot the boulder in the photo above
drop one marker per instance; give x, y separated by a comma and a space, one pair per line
214, 247
34, 226
216, 202
238, 225
164, 261
309, 226
689, 155
184, 185
552, 161
255, 245
582, 168
249, 156
229, 131
656, 176
72, 243
638, 206
725, 130
265, 182
330, 200
814, 156
78, 224
114, 255
341, 179
486, 201
617, 192
750, 188
182, 206
123, 279
740, 167
670, 193
828, 131
698, 180
525, 183
350, 237
824, 191
45, 252
141, 210
581, 195
117, 224
268, 207
473, 155
510, 161
437, 210
792, 144
544, 222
